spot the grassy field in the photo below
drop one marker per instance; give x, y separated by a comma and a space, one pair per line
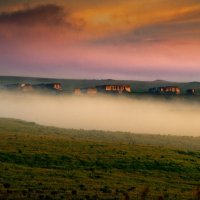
38, 162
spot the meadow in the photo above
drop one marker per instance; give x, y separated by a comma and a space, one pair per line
40, 162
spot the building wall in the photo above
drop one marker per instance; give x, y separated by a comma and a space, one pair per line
191, 92
173, 90
77, 91
165, 90
57, 86
26, 87
119, 88
92, 91
128, 88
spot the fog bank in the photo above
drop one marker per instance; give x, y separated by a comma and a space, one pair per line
104, 113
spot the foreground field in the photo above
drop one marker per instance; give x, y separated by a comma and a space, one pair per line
38, 162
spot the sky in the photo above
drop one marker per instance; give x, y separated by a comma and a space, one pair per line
101, 39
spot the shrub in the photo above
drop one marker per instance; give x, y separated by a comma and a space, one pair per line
144, 193
197, 193
6, 185
106, 189
74, 192
82, 187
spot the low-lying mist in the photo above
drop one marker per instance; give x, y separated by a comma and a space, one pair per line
104, 113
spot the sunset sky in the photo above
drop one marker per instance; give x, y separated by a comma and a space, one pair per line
100, 39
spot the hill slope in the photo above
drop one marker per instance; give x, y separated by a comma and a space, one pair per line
70, 84
39, 162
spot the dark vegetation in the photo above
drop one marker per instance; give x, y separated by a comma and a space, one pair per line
38, 162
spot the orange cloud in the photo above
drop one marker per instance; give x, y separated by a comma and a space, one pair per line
128, 15
107, 19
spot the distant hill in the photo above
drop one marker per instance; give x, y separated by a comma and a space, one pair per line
70, 84
183, 142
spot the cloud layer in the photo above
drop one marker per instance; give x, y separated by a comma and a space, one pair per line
105, 113
44, 15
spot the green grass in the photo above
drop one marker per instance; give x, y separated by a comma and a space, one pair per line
38, 162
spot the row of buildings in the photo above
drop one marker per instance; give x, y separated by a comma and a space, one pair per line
108, 89
125, 89
165, 90
27, 87
171, 90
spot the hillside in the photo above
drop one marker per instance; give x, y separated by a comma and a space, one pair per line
70, 84
39, 162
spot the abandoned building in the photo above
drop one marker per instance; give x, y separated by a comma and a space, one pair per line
57, 86
89, 91
77, 91
92, 91
165, 90
26, 87
103, 89
49, 86
114, 88
191, 91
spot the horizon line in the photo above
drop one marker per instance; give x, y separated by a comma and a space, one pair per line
103, 79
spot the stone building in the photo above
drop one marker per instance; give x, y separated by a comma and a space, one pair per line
165, 90
114, 88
